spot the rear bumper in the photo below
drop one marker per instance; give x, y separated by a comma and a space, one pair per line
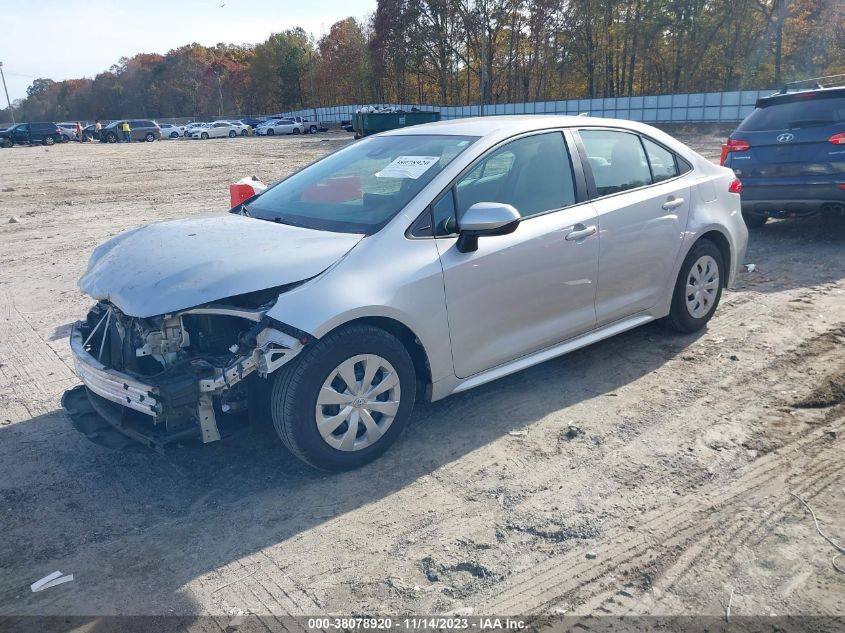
791, 199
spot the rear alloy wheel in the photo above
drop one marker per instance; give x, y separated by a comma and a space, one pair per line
295, 131
243, 132
112, 137
150, 137
313, 129
754, 220
48, 140
232, 134
174, 135
698, 288
204, 136
346, 399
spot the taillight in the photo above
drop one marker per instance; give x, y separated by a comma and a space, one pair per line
735, 186
732, 145
837, 139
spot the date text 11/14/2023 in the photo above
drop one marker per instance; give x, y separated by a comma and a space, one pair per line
433, 623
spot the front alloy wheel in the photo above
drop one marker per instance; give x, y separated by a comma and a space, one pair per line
345, 399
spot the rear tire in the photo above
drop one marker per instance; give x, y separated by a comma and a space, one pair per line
295, 131
174, 135
150, 137
204, 136
243, 132
378, 419
270, 132
232, 134
48, 140
312, 129
698, 288
65, 138
754, 220
112, 137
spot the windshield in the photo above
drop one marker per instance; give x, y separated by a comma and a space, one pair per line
796, 114
360, 188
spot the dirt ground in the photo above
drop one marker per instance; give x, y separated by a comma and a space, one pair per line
648, 474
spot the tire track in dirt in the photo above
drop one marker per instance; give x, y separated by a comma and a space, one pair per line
561, 576
713, 541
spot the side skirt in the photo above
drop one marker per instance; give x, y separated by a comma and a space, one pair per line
560, 349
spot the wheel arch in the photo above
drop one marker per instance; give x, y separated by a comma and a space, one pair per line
724, 246
409, 340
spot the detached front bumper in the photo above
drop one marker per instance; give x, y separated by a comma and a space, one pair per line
111, 384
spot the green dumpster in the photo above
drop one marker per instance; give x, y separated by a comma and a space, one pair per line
366, 123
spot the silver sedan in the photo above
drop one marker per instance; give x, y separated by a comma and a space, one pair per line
412, 265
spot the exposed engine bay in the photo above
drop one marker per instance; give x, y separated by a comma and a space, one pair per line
181, 369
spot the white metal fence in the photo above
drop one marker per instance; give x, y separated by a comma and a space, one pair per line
712, 107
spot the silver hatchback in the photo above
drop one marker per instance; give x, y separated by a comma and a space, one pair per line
411, 265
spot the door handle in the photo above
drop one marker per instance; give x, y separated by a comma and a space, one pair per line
580, 232
672, 203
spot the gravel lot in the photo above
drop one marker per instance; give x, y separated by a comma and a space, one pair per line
671, 495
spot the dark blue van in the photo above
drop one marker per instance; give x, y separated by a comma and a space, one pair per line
789, 154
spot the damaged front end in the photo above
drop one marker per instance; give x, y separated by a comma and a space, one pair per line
168, 377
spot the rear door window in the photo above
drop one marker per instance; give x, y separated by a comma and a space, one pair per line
617, 160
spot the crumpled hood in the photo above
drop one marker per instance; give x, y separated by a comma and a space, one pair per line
180, 264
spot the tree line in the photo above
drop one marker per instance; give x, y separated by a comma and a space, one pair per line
455, 52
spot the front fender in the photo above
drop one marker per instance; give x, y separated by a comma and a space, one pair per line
400, 280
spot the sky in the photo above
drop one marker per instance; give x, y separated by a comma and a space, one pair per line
80, 38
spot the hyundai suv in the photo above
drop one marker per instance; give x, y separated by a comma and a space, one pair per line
789, 154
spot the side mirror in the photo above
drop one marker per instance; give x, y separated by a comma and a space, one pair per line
485, 218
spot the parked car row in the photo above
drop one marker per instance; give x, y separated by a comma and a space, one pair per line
148, 130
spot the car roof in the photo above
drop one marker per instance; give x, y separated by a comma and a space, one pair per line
495, 129
487, 125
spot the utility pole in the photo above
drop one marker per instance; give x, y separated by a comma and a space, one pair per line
11, 112
219, 92
311, 72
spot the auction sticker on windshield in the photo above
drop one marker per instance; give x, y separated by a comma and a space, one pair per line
408, 167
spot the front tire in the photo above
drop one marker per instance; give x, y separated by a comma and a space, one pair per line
232, 134
112, 137
698, 288
312, 129
295, 131
204, 136
174, 135
65, 138
346, 399
48, 140
271, 132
